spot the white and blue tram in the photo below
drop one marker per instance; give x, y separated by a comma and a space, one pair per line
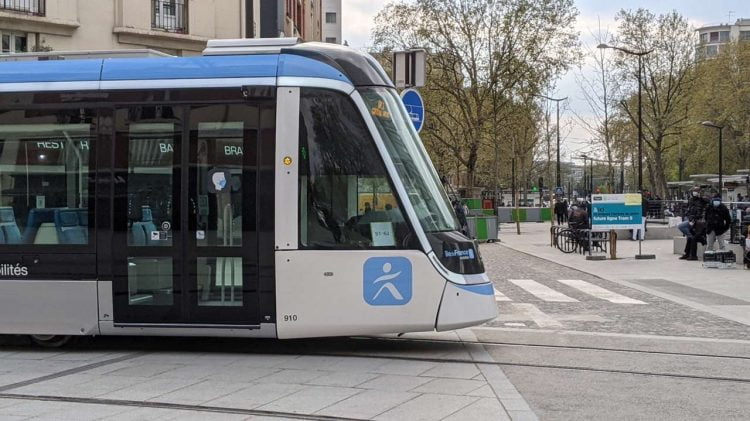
264, 189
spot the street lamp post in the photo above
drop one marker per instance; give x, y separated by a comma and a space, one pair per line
585, 178
557, 102
721, 160
640, 55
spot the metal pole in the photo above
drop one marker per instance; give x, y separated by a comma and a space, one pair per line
721, 165
585, 178
640, 127
513, 179
516, 197
558, 183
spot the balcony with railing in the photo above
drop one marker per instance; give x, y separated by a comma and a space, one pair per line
29, 7
169, 15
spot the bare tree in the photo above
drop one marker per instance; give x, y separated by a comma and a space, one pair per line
667, 80
600, 86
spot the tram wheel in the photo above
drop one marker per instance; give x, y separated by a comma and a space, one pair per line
50, 341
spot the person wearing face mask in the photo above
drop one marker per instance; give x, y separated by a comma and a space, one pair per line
718, 221
695, 214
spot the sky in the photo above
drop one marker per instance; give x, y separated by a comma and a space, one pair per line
358, 16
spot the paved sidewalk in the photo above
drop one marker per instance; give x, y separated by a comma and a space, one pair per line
393, 382
668, 277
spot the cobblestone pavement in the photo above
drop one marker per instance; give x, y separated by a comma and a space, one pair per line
565, 307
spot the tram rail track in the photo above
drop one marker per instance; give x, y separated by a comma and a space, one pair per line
330, 350
570, 347
174, 406
530, 365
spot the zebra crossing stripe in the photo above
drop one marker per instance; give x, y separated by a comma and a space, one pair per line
542, 291
599, 292
499, 296
531, 312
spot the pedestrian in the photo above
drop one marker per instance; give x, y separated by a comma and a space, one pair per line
718, 222
560, 211
694, 223
567, 208
579, 218
461, 215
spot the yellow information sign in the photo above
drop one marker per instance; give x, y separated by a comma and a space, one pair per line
633, 199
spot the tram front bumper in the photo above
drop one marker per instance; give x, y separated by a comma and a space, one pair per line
466, 305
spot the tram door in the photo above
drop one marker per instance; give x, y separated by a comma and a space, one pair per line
186, 238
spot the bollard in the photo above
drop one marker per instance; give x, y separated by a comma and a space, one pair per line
552, 237
613, 244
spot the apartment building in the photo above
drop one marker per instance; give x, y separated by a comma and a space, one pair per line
332, 21
178, 27
712, 38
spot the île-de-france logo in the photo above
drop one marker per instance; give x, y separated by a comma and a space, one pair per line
387, 281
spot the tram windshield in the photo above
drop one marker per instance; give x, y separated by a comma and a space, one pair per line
422, 183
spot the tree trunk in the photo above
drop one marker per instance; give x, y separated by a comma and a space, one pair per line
650, 167
660, 178
471, 167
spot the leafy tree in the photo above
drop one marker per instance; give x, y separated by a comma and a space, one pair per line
721, 95
484, 56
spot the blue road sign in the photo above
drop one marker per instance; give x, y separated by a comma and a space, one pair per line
559, 191
414, 106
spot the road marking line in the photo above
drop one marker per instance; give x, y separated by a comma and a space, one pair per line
542, 291
499, 296
533, 313
599, 292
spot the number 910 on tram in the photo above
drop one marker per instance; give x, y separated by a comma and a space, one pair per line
267, 188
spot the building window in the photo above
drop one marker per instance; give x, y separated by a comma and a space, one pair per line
704, 38
744, 35
331, 40
724, 36
14, 42
712, 50
714, 37
32, 7
330, 17
170, 15
700, 53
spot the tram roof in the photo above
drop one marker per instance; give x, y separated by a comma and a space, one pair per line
309, 60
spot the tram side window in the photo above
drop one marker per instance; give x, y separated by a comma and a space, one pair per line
346, 198
44, 176
151, 161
